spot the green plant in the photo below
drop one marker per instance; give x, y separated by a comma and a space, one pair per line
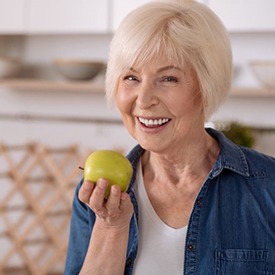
240, 134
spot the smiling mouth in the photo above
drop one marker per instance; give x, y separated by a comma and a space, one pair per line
153, 122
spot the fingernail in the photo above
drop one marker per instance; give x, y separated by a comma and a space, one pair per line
115, 189
88, 185
102, 183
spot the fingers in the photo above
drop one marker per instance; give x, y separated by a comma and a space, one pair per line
126, 204
116, 208
124, 200
113, 202
105, 208
85, 191
97, 198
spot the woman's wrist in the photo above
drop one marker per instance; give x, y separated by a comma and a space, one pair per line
111, 231
107, 250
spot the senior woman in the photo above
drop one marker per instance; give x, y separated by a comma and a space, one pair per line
197, 203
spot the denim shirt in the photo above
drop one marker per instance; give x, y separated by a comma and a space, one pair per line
231, 230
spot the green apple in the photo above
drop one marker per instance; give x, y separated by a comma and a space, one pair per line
110, 165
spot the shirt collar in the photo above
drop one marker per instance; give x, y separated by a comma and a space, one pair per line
231, 156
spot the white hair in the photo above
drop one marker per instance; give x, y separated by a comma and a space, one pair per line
185, 31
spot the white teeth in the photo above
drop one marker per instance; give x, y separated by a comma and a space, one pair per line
153, 122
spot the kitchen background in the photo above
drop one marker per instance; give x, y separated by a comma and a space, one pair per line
49, 123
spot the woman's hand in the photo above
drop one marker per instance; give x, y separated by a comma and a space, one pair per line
109, 237
112, 213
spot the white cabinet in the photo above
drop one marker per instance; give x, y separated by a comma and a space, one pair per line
120, 8
12, 16
68, 16
237, 15
245, 15
93, 16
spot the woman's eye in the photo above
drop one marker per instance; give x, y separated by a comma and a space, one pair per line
130, 78
170, 79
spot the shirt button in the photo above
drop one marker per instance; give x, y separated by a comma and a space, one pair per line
198, 202
128, 261
190, 247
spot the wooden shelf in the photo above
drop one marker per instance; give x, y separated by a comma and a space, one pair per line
52, 85
252, 92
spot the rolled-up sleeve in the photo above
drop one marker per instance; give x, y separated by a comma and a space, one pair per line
82, 221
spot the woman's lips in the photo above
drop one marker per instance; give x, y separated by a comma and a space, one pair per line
153, 122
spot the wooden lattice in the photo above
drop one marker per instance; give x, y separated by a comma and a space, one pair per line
37, 185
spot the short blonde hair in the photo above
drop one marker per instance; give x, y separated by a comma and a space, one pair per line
185, 31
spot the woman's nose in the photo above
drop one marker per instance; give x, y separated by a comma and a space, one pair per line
147, 96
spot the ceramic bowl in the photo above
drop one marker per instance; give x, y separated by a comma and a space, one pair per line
78, 69
9, 67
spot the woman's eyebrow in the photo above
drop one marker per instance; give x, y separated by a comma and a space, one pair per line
162, 69
168, 68
165, 68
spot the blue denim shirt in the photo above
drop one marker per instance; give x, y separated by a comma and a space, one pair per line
231, 230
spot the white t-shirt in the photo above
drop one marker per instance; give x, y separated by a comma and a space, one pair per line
160, 247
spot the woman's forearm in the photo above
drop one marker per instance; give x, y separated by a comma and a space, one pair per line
109, 240
107, 251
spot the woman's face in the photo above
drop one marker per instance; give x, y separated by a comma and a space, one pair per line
160, 105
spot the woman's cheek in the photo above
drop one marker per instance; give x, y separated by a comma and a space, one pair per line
124, 100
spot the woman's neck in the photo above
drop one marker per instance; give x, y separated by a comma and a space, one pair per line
194, 159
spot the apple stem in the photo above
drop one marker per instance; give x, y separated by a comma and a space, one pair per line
81, 168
